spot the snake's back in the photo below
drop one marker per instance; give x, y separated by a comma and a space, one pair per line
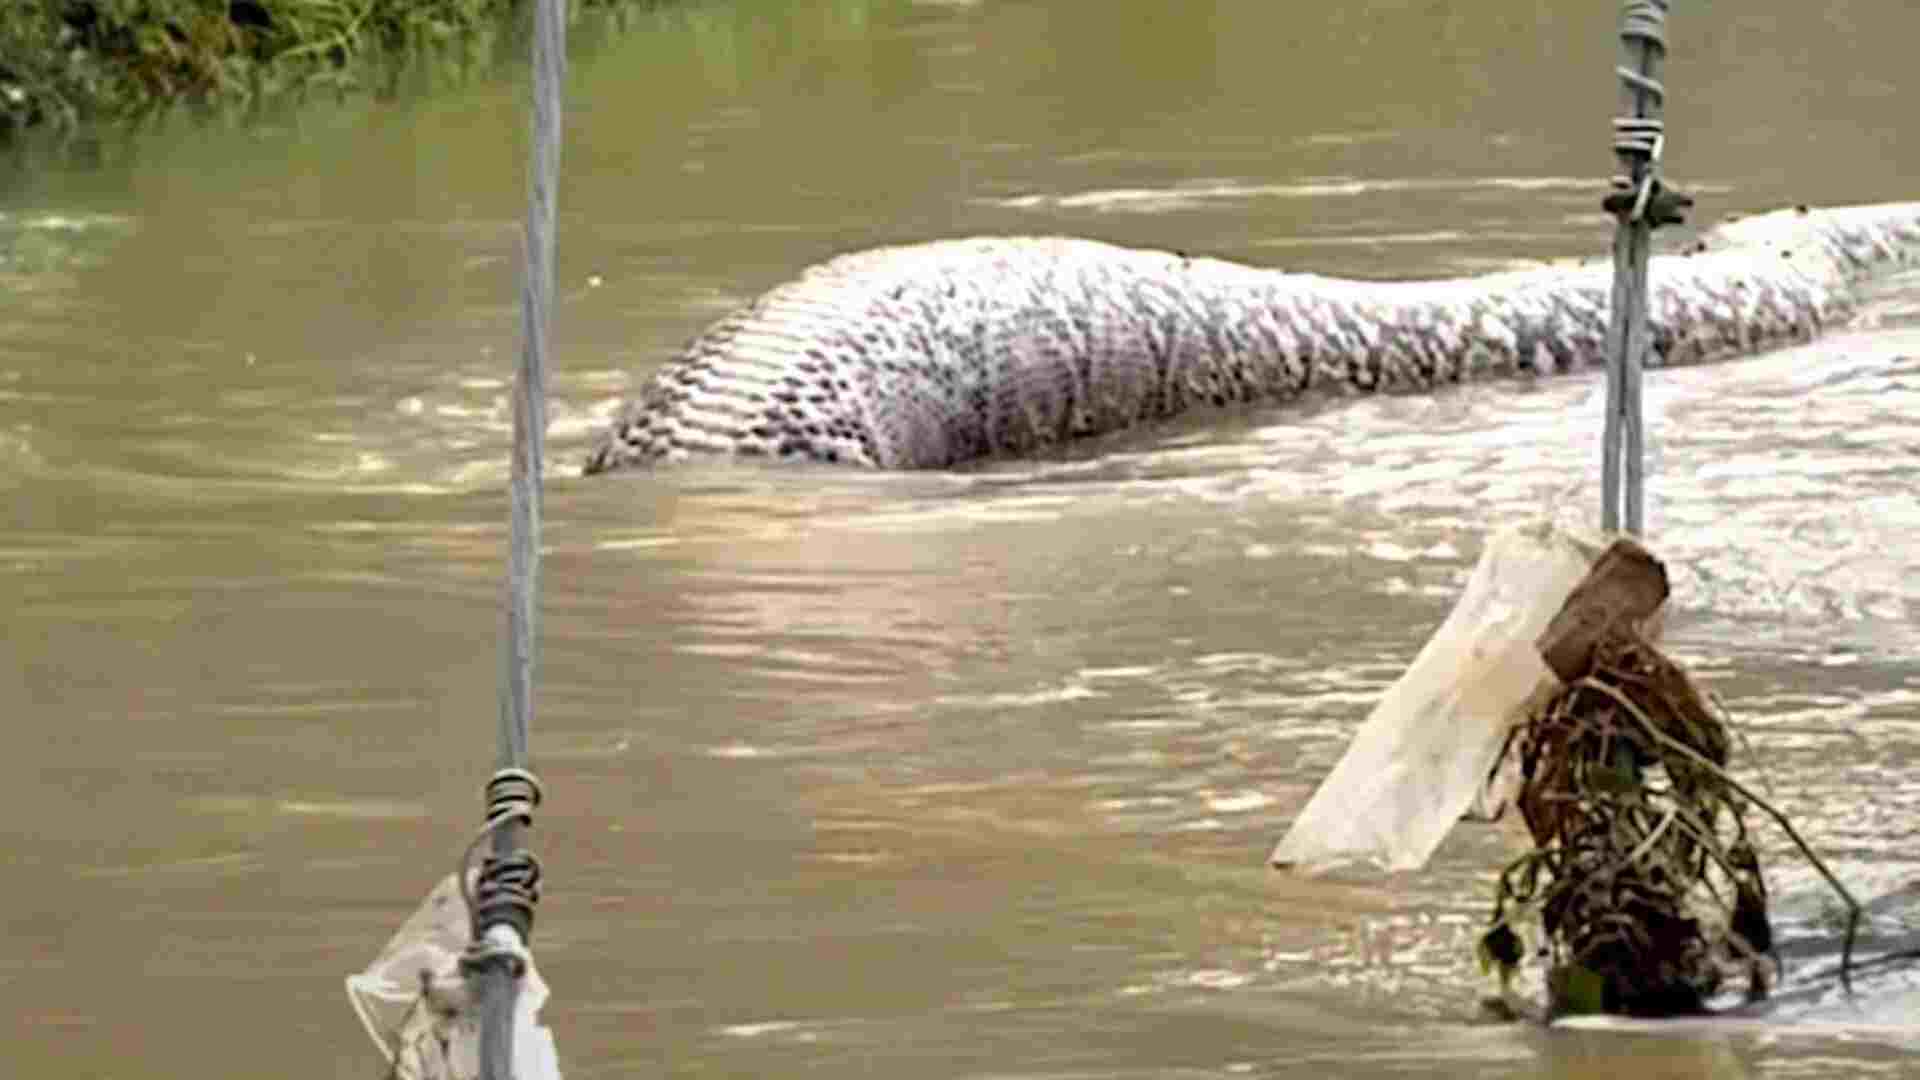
929, 355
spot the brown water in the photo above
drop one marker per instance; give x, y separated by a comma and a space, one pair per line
913, 776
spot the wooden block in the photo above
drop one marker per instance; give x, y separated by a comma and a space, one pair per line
1624, 589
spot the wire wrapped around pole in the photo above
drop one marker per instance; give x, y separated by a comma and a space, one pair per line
1640, 204
508, 885
505, 890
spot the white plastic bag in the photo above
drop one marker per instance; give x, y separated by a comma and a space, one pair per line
1424, 755
413, 1000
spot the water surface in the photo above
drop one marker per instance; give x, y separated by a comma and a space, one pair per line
943, 776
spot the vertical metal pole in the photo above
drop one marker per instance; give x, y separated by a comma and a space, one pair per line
1638, 140
1633, 418
497, 985
1611, 444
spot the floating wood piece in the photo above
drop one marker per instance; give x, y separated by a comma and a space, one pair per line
1624, 589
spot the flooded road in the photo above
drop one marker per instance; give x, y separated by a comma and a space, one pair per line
963, 775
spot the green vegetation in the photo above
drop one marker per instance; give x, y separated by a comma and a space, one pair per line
68, 65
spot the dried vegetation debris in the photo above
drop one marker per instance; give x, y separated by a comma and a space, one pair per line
1642, 877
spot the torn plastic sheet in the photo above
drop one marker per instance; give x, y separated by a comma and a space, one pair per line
413, 1000
1424, 755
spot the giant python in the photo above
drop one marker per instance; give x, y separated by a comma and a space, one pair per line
930, 355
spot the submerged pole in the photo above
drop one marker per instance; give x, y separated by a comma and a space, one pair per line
1640, 204
509, 880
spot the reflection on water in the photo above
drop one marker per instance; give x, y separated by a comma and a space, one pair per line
933, 775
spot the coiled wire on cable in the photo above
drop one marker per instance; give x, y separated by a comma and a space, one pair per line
1640, 195
1638, 140
506, 889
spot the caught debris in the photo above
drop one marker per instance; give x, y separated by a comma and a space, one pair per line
1642, 875
1422, 757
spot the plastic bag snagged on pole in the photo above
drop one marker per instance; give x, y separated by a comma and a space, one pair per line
1425, 753
414, 1004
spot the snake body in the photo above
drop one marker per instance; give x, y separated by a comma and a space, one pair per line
935, 354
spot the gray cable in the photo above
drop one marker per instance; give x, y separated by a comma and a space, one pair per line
1639, 139
509, 883
529, 391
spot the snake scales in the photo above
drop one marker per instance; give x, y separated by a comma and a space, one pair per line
934, 354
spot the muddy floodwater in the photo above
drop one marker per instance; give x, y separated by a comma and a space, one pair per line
964, 775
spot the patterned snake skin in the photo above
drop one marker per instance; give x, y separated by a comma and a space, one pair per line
934, 354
